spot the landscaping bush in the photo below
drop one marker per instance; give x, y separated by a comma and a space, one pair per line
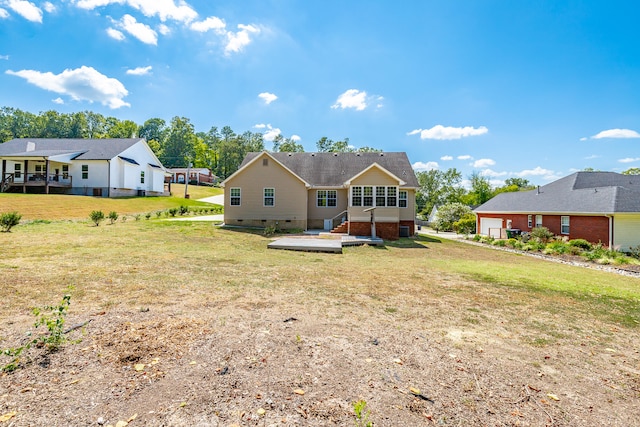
184, 210
449, 214
97, 217
477, 238
500, 243
557, 247
466, 224
541, 234
172, 211
8, 220
580, 243
113, 216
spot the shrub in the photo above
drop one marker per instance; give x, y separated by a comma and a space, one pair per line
580, 243
541, 234
477, 238
635, 251
448, 214
501, 243
147, 215
556, 248
113, 216
512, 243
97, 217
172, 211
184, 209
466, 224
8, 220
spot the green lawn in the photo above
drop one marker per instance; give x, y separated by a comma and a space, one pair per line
60, 207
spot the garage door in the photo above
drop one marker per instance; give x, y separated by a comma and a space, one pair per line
490, 223
626, 231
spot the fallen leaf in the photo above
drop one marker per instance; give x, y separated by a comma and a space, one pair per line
183, 404
155, 361
122, 424
261, 411
7, 416
139, 366
553, 396
414, 390
299, 391
132, 417
398, 361
193, 362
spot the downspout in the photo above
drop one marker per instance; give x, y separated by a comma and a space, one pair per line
610, 230
108, 177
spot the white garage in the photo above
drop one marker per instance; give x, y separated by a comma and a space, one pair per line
490, 226
626, 231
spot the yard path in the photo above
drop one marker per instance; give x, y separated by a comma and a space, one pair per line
218, 200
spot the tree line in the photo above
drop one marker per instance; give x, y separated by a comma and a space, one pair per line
176, 144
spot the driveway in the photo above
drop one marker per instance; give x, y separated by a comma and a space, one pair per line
218, 200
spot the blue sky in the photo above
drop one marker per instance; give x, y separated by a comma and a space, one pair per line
506, 88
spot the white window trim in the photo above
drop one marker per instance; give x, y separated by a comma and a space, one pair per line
530, 221
538, 224
264, 197
405, 199
239, 197
568, 224
374, 196
326, 198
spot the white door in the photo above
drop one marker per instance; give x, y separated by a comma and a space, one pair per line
490, 223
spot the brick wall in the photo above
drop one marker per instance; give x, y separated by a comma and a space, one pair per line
385, 230
595, 229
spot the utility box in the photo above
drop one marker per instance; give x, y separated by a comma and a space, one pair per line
404, 231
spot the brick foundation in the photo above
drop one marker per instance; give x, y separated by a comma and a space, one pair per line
385, 230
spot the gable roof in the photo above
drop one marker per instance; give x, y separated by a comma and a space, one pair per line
334, 169
86, 149
581, 192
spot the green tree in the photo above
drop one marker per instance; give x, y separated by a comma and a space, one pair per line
437, 188
123, 129
632, 171
326, 145
481, 190
286, 145
178, 145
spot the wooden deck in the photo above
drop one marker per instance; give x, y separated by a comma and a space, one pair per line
332, 245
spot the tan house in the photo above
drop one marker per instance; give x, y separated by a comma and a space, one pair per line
355, 193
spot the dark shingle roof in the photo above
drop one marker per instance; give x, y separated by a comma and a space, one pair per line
581, 192
333, 169
90, 149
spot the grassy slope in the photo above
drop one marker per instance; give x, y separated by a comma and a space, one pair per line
57, 207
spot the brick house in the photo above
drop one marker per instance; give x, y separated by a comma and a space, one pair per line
595, 206
343, 192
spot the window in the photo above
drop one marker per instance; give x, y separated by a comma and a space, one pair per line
392, 196
564, 224
38, 168
265, 162
356, 196
367, 198
380, 196
269, 197
327, 198
17, 169
65, 171
529, 221
538, 220
85, 171
142, 177
384, 196
234, 197
402, 198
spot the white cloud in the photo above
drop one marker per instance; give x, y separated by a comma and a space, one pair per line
115, 34
26, 9
49, 7
3, 13
163, 29
139, 71
271, 133
237, 41
447, 132
267, 97
141, 31
465, 157
446, 158
260, 126
421, 166
489, 172
211, 23
58, 100
164, 9
591, 157
5, 57
538, 171
629, 159
617, 133
81, 84
352, 98
295, 138
483, 163
584, 138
